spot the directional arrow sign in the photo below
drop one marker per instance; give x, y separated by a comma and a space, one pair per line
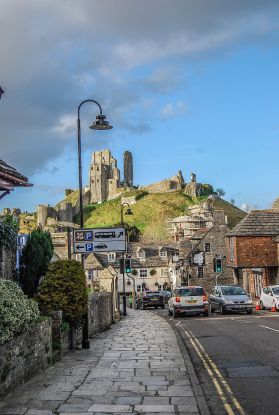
99, 240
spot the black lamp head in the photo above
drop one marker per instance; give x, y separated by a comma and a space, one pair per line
101, 123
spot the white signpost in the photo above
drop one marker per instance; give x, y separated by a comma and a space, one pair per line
99, 240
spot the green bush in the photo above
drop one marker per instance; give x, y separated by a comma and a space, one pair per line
17, 311
64, 288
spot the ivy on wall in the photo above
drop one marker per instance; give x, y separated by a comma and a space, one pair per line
8, 233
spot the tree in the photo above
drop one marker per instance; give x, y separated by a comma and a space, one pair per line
220, 191
34, 261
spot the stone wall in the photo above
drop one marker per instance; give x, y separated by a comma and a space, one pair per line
25, 356
100, 312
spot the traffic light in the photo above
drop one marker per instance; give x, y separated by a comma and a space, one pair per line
217, 265
128, 268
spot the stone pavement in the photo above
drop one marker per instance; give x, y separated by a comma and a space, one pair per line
136, 367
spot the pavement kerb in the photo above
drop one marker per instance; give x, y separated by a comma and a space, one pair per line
198, 392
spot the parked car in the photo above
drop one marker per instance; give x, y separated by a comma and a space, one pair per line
188, 300
227, 298
270, 295
167, 295
150, 299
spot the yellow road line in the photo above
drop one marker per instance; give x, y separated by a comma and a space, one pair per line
207, 362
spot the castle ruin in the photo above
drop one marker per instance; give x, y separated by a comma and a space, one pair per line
104, 176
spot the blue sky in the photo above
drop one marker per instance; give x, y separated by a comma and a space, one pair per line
190, 85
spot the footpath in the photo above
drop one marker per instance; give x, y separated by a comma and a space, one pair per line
138, 366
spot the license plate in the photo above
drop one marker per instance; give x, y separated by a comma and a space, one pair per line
155, 299
239, 306
192, 301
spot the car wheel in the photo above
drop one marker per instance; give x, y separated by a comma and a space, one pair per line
211, 309
249, 311
222, 310
175, 314
169, 312
163, 306
206, 313
156, 307
262, 306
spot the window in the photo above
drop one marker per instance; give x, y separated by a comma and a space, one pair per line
200, 272
138, 288
91, 274
207, 247
160, 287
111, 257
143, 273
163, 254
231, 249
141, 254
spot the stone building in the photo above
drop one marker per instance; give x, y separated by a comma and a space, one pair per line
252, 251
199, 253
198, 217
153, 267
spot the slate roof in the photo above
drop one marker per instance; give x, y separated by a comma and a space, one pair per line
258, 223
199, 234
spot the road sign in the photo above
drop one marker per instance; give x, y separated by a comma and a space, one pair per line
99, 240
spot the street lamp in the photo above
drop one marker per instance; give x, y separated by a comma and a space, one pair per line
99, 124
128, 212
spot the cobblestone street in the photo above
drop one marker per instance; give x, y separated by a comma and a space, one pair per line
136, 367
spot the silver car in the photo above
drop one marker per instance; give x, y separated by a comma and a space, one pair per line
229, 298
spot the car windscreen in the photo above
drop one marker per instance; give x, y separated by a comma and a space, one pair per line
233, 291
194, 292
152, 293
275, 290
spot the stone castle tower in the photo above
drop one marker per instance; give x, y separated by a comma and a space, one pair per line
104, 176
128, 169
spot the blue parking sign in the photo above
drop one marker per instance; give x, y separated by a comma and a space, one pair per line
88, 236
89, 247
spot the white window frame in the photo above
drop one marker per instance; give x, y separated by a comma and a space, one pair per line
200, 269
141, 255
91, 274
206, 246
232, 245
111, 256
143, 271
163, 254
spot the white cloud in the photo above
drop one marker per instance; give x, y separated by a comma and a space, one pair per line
246, 207
66, 125
174, 109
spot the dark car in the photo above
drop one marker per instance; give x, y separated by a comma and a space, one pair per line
167, 295
225, 298
151, 299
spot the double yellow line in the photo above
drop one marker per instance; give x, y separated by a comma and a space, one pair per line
222, 387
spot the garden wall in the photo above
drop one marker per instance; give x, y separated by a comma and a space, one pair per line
100, 312
25, 356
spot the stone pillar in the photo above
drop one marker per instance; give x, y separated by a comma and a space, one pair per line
42, 214
128, 168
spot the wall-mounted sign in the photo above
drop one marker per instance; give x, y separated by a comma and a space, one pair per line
198, 258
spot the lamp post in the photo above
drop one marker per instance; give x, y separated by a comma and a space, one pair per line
99, 124
129, 212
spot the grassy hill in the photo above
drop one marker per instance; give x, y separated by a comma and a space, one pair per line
151, 212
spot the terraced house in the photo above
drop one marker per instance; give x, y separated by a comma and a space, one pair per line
252, 248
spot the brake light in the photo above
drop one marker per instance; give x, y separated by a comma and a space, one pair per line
204, 297
177, 299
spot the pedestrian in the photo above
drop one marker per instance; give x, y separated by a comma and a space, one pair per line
131, 300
